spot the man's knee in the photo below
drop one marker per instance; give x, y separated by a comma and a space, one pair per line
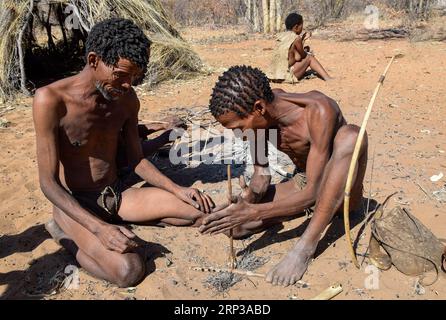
130, 270
345, 140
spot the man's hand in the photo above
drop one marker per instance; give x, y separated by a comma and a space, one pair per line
174, 122
228, 218
247, 194
306, 36
196, 198
116, 238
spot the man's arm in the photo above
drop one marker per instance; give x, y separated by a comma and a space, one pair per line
299, 52
46, 110
148, 172
143, 168
261, 177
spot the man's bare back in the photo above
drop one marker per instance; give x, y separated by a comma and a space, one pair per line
294, 137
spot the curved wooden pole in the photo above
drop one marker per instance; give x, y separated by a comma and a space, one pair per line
354, 160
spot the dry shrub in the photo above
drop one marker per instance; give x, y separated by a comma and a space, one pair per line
171, 56
210, 12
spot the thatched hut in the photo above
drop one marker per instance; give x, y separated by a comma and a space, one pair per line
42, 40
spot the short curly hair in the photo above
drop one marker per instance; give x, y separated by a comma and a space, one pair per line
238, 89
116, 38
293, 19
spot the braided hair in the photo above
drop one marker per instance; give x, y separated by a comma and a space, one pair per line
116, 38
238, 89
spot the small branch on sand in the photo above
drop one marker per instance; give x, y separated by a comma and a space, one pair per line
424, 190
240, 272
144, 122
329, 293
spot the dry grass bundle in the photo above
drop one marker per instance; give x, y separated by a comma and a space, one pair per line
171, 58
222, 281
12, 16
21, 21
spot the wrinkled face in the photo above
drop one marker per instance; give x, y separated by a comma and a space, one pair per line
115, 81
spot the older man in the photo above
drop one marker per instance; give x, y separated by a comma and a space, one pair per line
78, 122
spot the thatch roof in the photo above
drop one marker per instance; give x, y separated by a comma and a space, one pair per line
23, 24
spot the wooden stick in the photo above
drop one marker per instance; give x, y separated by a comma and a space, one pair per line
329, 293
240, 272
355, 156
424, 190
152, 122
232, 258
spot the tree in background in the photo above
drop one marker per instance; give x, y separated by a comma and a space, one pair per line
271, 18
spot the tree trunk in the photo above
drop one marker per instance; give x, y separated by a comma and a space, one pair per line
255, 16
426, 9
248, 13
420, 9
20, 50
279, 8
272, 16
265, 16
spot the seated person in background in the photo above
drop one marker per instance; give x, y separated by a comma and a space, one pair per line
299, 57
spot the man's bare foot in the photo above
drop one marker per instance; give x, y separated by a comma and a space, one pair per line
293, 266
55, 231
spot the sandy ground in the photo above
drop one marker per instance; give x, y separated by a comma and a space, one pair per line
407, 138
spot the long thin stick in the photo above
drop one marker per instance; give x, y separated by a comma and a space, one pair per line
232, 258
355, 156
152, 122
424, 190
240, 272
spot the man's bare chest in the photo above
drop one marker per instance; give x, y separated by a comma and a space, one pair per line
294, 143
86, 129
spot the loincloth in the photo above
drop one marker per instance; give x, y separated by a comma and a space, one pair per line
104, 204
300, 180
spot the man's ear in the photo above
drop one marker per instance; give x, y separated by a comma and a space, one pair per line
260, 107
93, 60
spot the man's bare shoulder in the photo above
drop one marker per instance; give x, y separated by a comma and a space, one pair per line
321, 107
53, 94
278, 91
46, 99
